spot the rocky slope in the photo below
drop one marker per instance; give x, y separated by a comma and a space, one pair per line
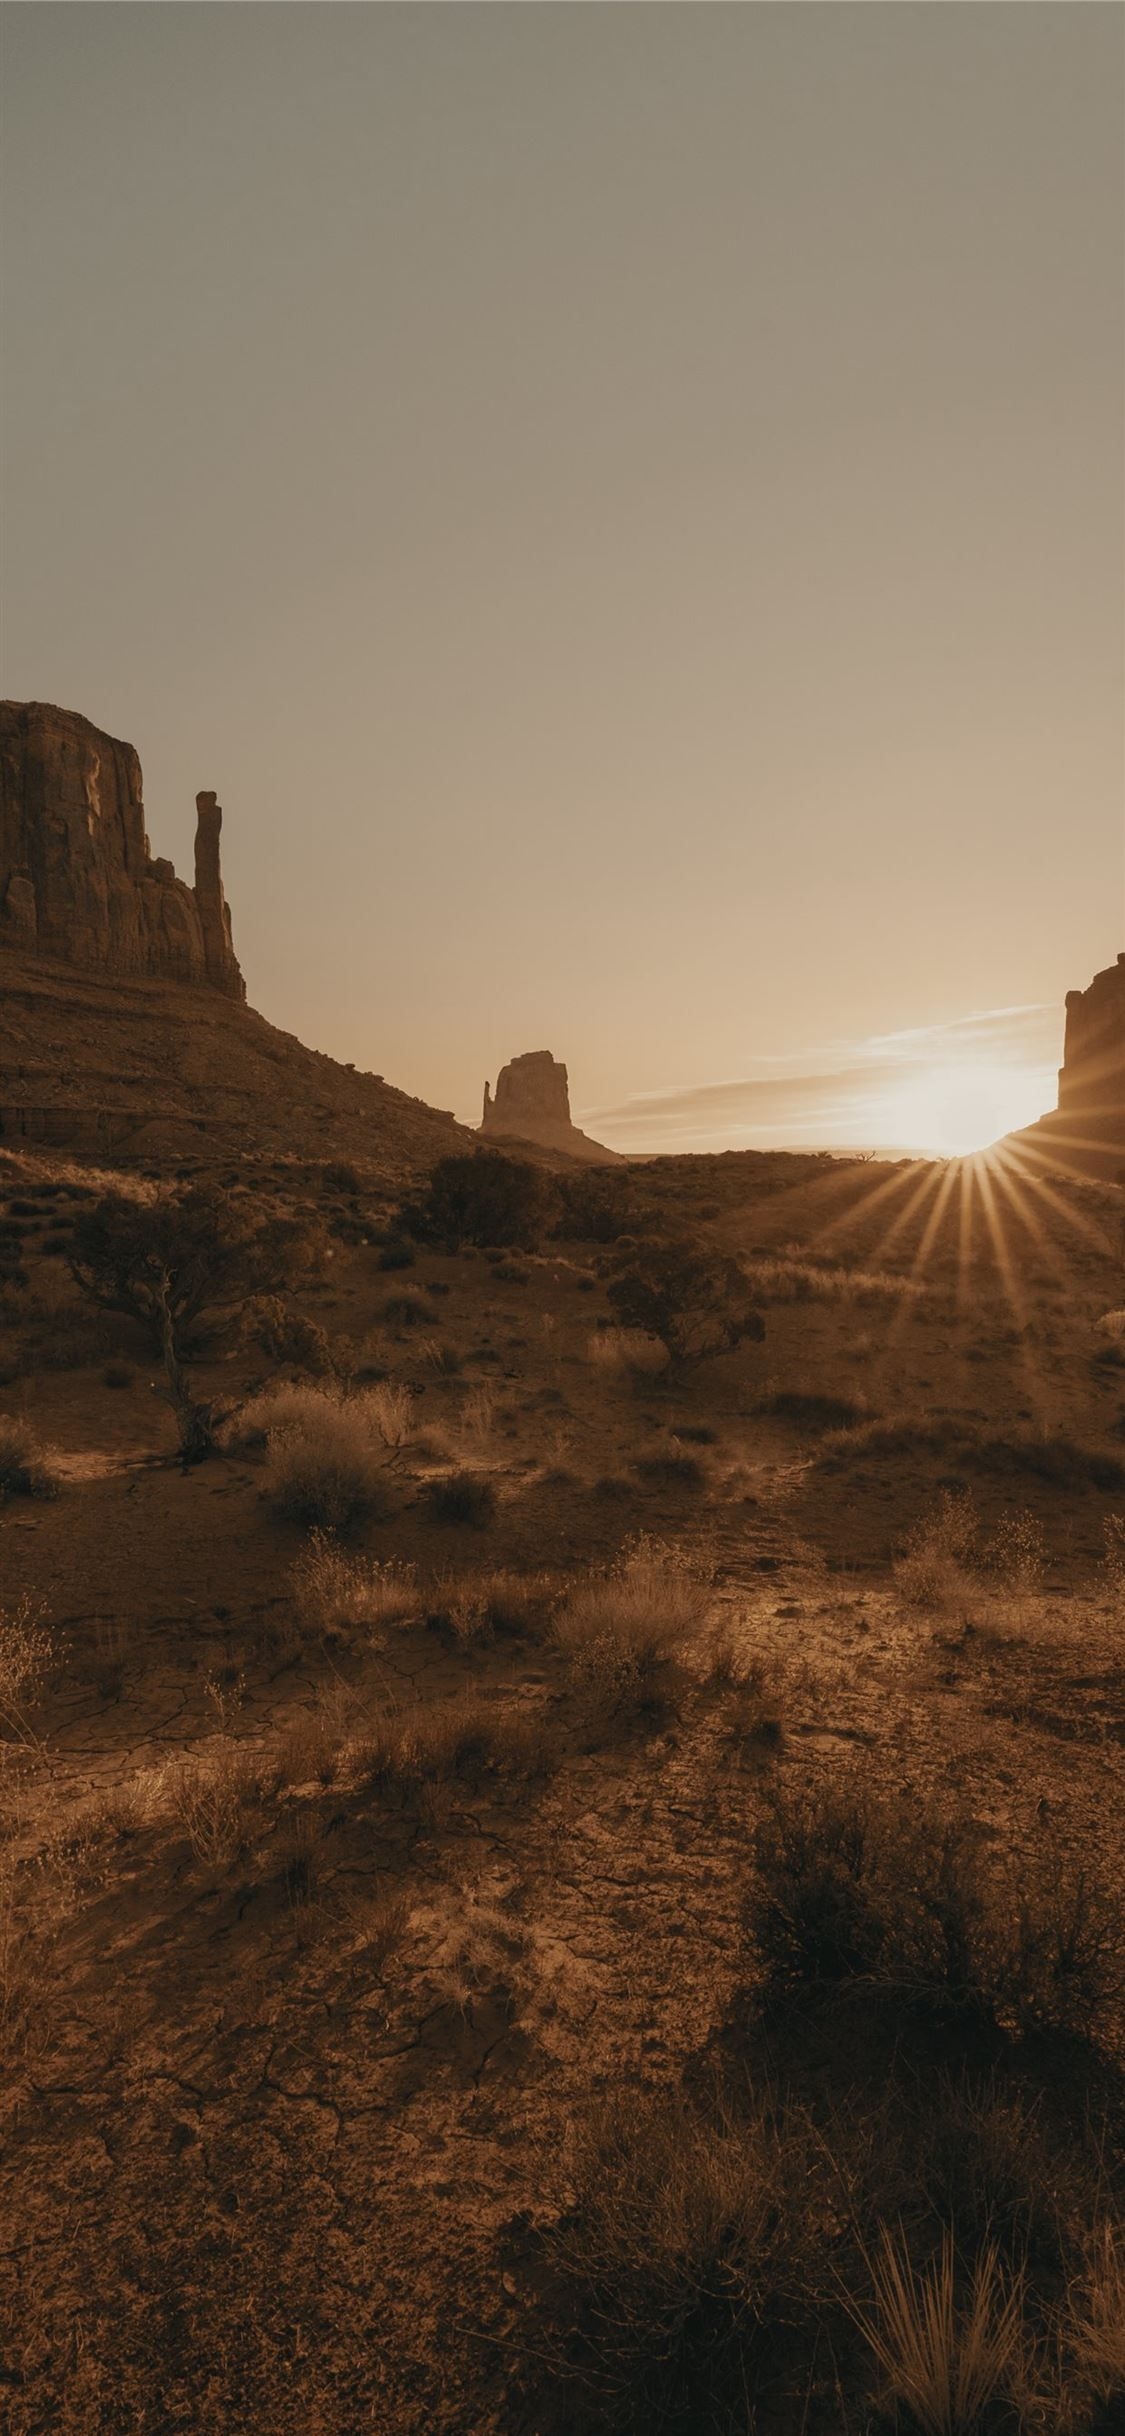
123, 1025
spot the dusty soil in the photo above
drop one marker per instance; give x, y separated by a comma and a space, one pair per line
286, 2120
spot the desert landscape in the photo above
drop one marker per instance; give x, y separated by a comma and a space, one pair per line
563, 1727
562, 1219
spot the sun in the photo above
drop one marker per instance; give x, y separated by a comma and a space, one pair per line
955, 1110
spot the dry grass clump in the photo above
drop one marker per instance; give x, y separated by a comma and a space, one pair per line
946, 2358
1112, 1324
688, 2253
673, 1468
476, 1421
462, 1497
290, 1406
858, 1889
26, 1468
211, 1799
341, 1595
616, 1351
946, 1557
475, 1606
324, 1470
1113, 1562
27, 1652
785, 1280
390, 1411
932, 1572
631, 1620
1097, 2316
438, 1743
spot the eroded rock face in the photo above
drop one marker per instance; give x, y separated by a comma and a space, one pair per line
77, 880
1092, 1075
532, 1104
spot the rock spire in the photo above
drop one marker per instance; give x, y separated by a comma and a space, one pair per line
77, 879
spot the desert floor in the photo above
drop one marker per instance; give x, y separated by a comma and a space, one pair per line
395, 2038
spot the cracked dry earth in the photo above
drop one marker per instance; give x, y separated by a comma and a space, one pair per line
281, 2125
264, 2173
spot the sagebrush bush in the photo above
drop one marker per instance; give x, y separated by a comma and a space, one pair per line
483, 1199
26, 1468
635, 1617
932, 1568
325, 1470
855, 1887
462, 1497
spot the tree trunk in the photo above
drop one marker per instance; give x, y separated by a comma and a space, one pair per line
194, 1421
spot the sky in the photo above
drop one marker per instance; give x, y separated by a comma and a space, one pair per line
625, 506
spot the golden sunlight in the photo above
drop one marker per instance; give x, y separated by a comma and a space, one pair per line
956, 1109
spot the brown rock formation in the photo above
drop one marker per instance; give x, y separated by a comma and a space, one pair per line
532, 1104
77, 880
1092, 1074
1086, 1133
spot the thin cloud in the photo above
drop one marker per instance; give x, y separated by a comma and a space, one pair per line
836, 1098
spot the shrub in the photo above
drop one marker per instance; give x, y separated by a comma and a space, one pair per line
210, 1798
342, 1594
26, 1468
688, 2250
696, 1303
932, 1568
287, 1336
439, 1742
396, 1255
597, 1205
475, 1606
407, 1309
185, 1265
289, 1406
462, 1497
858, 1888
812, 1412
671, 1467
324, 1470
631, 1620
612, 1350
483, 1198
118, 1374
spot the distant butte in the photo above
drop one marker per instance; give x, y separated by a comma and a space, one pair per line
1086, 1132
532, 1104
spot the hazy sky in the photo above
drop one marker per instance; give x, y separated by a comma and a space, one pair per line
623, 503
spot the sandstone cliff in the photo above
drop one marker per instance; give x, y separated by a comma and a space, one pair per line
1086, 1132
532, 1104
77, 880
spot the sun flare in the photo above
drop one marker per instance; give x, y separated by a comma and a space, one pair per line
957, 1109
